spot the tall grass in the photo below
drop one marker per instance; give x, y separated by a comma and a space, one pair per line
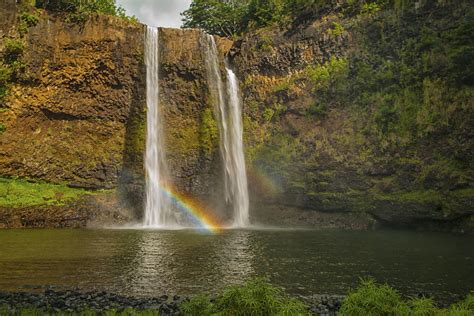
374, 299
256, 297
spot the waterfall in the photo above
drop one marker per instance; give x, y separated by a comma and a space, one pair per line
229, 117
157, 209
238, 177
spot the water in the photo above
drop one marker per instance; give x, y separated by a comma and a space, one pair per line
158, 212
304, 262
229, 117
238, 176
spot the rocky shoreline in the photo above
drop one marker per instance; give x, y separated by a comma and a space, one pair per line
99, 302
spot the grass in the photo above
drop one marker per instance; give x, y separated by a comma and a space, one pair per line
257, 297
21, 193
374, 299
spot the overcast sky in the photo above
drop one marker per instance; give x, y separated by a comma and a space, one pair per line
156, 12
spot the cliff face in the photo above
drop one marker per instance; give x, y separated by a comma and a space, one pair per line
76, 114
362, 113
66, 117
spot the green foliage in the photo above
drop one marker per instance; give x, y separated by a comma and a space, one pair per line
370, 8
30, 19
230, 18
5, 75
209, 131
370, 298
11, 65
336, 30
224, 18
198, 305
318, 109
328, 75
19, 193
13, 50
2, 128
261, 13
80, 9
373, 299
422, 306
329, 81
27, 20
268, 114
256, 297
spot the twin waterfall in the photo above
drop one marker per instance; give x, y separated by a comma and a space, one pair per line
159, 211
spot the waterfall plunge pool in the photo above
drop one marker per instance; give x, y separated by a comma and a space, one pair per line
186, 262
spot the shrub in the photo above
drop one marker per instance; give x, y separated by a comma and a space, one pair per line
199, 305
373, 299
5, 75
256, 297
2, 128
29, 19
422, 306
318, 109
268, 114
336, 30
370, 8
13, 50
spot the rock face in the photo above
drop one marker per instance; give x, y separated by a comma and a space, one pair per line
334, 124
77, 115
66, 119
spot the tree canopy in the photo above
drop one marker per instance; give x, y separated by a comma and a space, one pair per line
234, 17
83, 6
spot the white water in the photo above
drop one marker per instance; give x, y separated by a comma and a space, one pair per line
239, 173
158, 212
229, 117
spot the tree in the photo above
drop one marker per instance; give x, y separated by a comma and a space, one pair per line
219, 17
83, 6
261, 13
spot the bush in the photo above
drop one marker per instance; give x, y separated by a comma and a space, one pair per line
199, 305
13, 50
318, 109
373, 299
256, 297
29, 19
423, 306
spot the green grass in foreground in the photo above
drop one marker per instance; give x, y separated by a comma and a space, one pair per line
21, 193
371, 298
257, 297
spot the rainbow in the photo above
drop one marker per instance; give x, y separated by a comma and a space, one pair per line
195, 212
262, 182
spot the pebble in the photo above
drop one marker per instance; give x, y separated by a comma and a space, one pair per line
75, 301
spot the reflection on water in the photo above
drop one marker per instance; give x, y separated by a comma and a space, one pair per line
150, 263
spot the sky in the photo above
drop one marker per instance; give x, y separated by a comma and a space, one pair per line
156, 12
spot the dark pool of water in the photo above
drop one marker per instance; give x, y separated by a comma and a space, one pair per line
150, 263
